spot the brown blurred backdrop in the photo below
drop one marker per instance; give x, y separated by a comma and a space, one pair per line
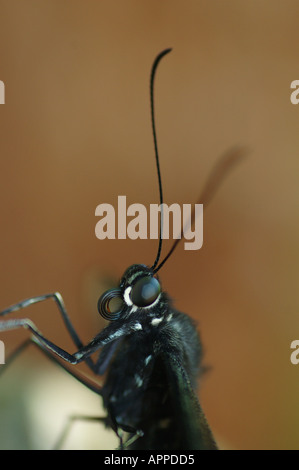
75, 132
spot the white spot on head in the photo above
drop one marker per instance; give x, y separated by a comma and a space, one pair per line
127, 296
156, 321
169, 317
133, 309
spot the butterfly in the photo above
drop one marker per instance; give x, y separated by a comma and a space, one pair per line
150, 353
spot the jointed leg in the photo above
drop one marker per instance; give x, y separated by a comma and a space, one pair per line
28, 324
110, 420
89, 383
85, 381
67, 321
100, 419
71, 420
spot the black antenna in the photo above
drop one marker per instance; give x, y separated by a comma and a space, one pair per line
153, 72
225, 164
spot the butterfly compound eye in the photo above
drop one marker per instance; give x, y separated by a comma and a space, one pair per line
110, 304
145, 291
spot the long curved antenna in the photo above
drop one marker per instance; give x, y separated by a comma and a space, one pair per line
225, 164
153, 72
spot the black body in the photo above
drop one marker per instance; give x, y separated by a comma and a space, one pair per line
152, 374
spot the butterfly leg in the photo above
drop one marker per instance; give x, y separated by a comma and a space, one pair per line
120, 429
93, 386
40, 339
56, 296
107, 335
137, 434
108, 421
70, 422
100, 419
14, 355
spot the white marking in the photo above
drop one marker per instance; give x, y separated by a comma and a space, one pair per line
137, 326
127, 296
116, 334
78, 355
156, 321
138, 380
148, 359
133, 309
169, 317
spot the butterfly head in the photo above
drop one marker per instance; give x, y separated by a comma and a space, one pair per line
138, 289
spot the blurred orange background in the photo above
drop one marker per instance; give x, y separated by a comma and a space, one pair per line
75, 132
